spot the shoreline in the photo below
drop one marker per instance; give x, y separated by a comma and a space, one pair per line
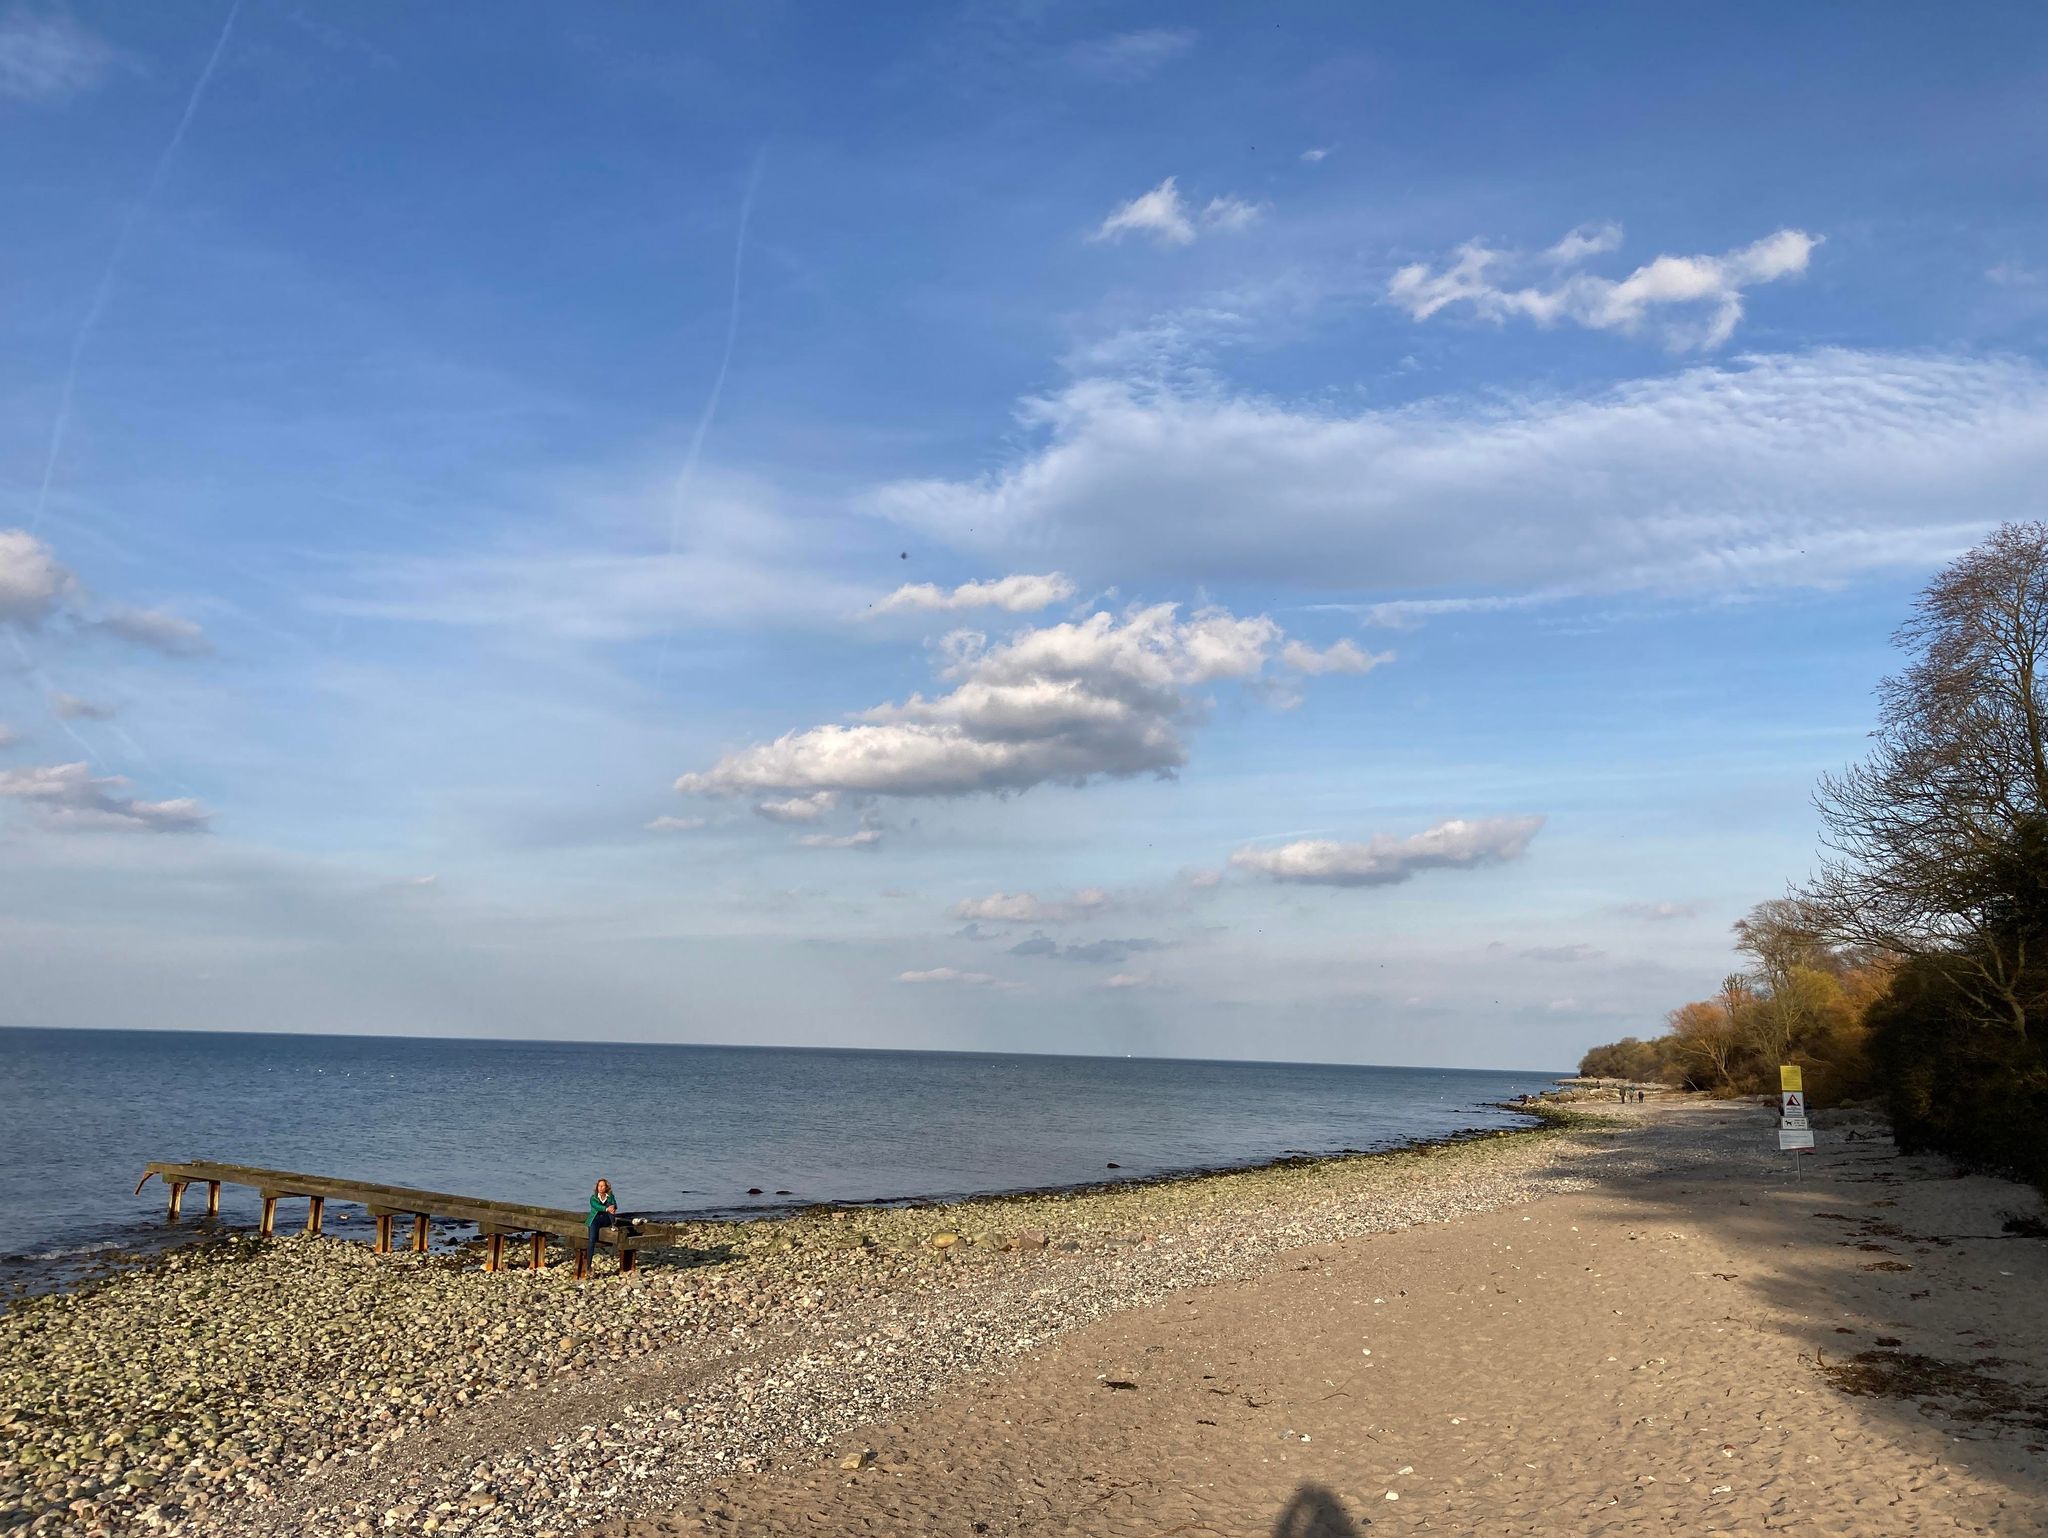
100, 1263
390, 1342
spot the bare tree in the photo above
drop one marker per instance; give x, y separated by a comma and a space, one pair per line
1923, 835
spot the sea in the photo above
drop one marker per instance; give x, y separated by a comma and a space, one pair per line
680, 1131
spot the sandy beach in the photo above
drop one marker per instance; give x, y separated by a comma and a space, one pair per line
1656, 1324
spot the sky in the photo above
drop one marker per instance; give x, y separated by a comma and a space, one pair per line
1326, 533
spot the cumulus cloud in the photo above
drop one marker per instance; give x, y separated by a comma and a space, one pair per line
1170, 220
69, 797
1691, 301
1020, 594
677, 824
1130, 56
798, 808
954, 976
1026, 908
1384, 860
1107, 696
866, 838
171, 634
1342, 657
69, 707
47, 57
1804, 469
32, 583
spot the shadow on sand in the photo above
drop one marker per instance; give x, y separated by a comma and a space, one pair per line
1314, 1513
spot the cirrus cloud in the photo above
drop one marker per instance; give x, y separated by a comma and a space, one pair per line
1384, 860
1019, 594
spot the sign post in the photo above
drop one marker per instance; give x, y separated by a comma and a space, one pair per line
1793, 1131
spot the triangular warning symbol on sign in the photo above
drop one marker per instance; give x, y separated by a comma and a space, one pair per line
1794, 1103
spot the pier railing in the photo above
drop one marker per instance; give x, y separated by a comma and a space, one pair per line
495, 1221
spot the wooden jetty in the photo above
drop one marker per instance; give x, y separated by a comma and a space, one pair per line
495, 1221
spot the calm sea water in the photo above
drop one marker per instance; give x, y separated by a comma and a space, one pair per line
679, 1130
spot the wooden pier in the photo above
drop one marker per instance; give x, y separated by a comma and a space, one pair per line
495, 1221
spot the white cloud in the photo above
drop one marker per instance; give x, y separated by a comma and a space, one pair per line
48, 58
70, 798
1096, 953
1658, 913
954, 976
1064, 704
1170, 221
32, 583
171, 634
1694, 286
1025, 908
69, 707
798, 808
1800, 469
1566, 955
1130, 56
677, 824
1342, 657
866, 838
1127, 980
1019, 594
1318, 153
1385, 860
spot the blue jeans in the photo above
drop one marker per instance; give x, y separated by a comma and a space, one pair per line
604, 1220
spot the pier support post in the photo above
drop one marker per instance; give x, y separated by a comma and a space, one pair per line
316, 1208
494, 1252
419, 1233
540, 1252
384, 1233
629, 1260
177, 1198
213, 1198
269, 1225
582, 1262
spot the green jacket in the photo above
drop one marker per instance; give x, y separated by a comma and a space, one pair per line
601, 1206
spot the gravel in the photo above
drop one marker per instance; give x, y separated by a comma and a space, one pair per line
301, 1385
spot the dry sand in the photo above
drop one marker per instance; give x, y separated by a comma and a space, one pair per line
1689, 1346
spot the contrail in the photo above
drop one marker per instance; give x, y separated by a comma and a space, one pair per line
42, 681
105, 290
732, 330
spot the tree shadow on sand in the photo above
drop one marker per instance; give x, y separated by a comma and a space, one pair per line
1315, 1513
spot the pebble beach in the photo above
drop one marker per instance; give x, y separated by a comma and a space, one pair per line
773, 1376
305, 1384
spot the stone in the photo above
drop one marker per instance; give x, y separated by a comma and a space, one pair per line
944, 1241
1028, 1239
859, 1460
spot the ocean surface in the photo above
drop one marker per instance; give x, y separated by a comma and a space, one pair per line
679, 1130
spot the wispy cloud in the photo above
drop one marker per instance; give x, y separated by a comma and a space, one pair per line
798, 808
1122, 980
1659, 912
46, 57
71, 799
1689, 301
32, 582
954, 977
1341, 657
159, 630
677, 824
1028, 908
1130, 56
1317, 154
866, 838
1792, 469
69, 707
1170, 220
1087, 952
1019, 594
1385, 860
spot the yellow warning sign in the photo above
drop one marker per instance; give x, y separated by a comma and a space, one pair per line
1789, 1080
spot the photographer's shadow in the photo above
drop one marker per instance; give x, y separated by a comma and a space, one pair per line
1315, 1513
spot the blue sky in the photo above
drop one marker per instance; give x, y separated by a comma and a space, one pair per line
1034, 526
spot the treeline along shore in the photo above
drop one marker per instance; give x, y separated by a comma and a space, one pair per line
1912, 968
